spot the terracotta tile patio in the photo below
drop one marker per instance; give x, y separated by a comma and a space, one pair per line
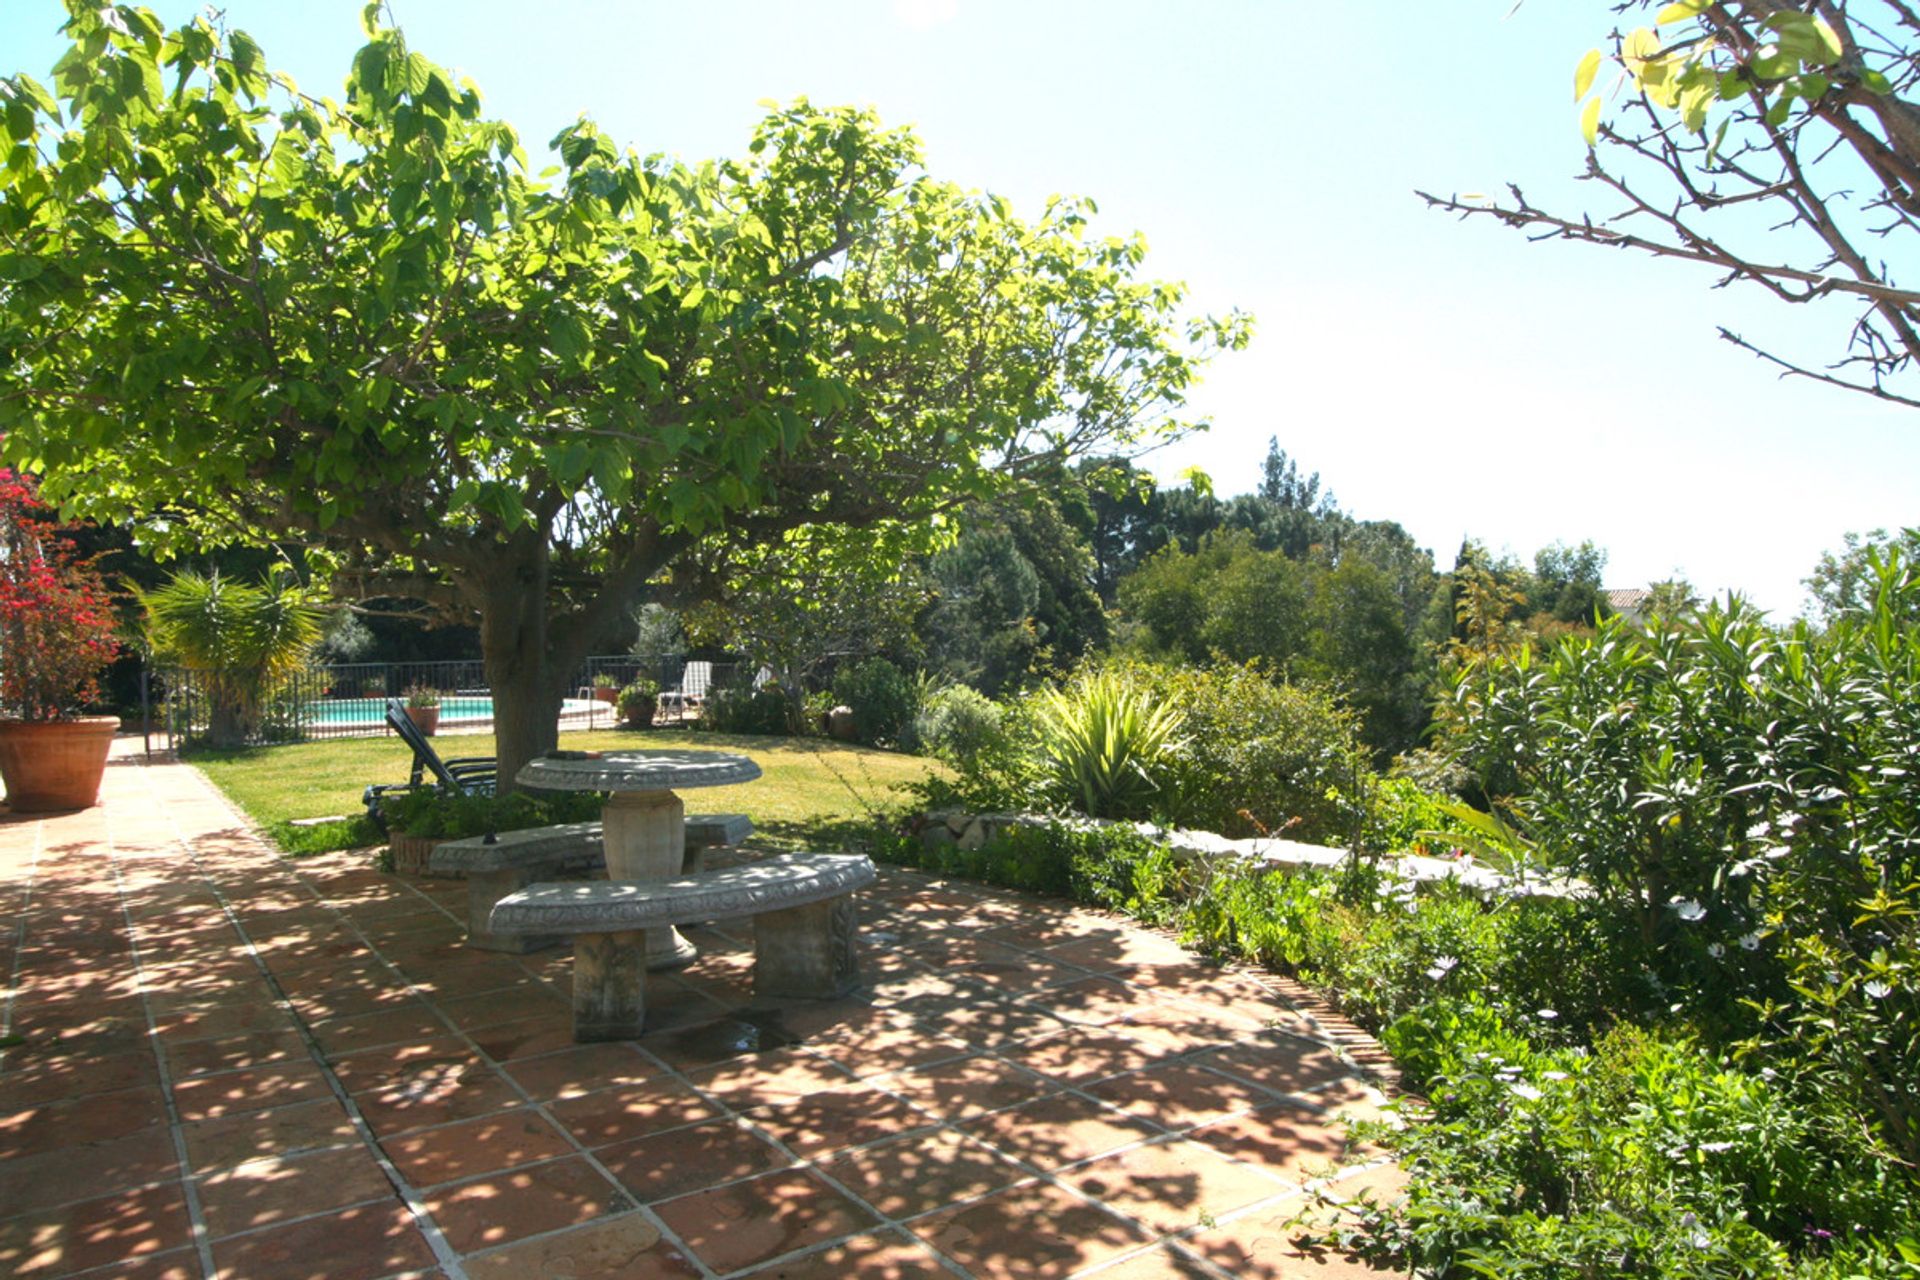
215, 1062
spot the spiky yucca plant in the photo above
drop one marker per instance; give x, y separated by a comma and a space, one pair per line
241, 638
1105, 744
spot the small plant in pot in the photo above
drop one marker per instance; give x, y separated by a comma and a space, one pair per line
638, 701
57, 634
423, 708
606, 688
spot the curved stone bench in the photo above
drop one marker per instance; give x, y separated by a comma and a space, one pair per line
502, 864
803, 930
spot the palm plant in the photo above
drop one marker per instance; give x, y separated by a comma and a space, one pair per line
1104, 744
240, 638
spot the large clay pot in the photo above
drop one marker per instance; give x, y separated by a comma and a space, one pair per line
639, 714
50, 765
425, 719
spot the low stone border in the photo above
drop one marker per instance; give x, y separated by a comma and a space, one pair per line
953, 828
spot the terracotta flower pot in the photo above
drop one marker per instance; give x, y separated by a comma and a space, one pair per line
425, 719
50, 765
639, 715
606, 693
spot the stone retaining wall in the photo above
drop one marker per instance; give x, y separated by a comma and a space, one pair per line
950, 828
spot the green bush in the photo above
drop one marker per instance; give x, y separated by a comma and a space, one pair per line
881, 699
450, 817
1107, 866
1646, 1156
1262, 757
741, 710
1743, 801
956, 724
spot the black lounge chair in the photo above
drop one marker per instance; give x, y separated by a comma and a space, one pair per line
463, 775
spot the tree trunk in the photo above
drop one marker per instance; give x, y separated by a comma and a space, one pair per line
513, 643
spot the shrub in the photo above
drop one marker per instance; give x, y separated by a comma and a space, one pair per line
737, 709
427, 812
422, 697
1742, 800
956, 724
1106, 745
639, 692
1260, 756
881, 699
56, 618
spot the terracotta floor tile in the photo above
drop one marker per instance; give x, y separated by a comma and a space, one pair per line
1061, 1130
1283, 1064
1181, 1094
95, 1233
761, 1079
582, 1069
75, 1078
628, 1247
1082, 1055
1174, 1185
1091, 1002
835, 1119
922, 1172
969, 1086
278, 1188
504, 1207
71, 1122
84, 1172
748, 1222
1267, 1245
620, 1115
888, 1256
717, 1040
212, 1021
253, 1089
427, 1157
365, 1241
526, 1037
1166, 1261
300, 1126
664, 1165
400, 1025
1292, 1143
491, 1008
1035, 1232
380, 1068
232, 1053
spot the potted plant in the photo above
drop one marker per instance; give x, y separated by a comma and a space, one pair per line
56, 636
423, 708
606, 688
638, 701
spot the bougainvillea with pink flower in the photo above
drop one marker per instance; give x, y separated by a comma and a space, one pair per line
57, 624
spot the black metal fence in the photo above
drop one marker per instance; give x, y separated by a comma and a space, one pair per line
348, 700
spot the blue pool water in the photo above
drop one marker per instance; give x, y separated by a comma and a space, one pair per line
454, 707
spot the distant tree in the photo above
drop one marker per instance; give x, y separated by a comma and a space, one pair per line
981, 629
1845, 581
1671, 598
1282, 485
1568, 582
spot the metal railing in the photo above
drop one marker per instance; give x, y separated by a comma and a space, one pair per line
348, 700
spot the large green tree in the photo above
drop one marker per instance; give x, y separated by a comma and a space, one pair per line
230, 309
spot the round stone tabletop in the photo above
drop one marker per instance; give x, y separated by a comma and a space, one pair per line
636, 771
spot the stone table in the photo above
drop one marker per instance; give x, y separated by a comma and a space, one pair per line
644, 823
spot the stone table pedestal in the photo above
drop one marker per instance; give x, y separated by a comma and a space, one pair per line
644, 820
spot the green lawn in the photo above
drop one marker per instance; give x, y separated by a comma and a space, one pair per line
812, 793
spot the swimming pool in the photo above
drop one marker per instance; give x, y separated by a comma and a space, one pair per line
455, 708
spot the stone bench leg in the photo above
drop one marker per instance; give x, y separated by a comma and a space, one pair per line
806, 952
609, 986
484, 888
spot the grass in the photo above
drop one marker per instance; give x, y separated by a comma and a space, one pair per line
811, 794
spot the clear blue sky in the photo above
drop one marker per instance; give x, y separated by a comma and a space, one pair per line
1453, 377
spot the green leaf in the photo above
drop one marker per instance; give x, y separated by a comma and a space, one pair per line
1680, 11
1584, 73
